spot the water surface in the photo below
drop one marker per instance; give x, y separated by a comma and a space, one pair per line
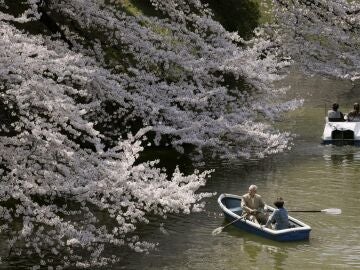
310, 177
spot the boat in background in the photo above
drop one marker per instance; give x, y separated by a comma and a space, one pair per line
341, 133
231, 206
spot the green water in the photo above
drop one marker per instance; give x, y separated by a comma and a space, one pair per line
310, 177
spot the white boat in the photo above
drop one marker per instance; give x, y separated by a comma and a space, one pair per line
341, 133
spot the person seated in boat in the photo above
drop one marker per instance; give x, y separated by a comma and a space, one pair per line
279, 217
334, 115
253, 205
354, 115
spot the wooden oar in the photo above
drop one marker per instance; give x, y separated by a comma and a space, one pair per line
220, 229
332, 211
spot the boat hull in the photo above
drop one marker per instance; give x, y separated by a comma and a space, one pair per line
341, 133
341, 142
230, 205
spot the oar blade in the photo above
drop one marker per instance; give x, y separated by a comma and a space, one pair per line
217, 231
332, 211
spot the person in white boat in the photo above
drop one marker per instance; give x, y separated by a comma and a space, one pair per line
253, 205
354, 115
334, 115
279, 217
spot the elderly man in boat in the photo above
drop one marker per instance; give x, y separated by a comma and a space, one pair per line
253, 205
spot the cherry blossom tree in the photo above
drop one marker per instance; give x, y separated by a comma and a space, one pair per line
179, 83
54, 167
321, 36
82, 98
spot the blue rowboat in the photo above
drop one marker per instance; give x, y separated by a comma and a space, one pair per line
230, 205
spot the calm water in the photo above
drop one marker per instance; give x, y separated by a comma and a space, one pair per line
310, 176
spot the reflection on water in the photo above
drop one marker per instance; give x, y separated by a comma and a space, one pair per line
256, 251
347, 156
276, 254
279, 255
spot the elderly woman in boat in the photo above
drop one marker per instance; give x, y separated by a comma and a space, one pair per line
253, 205
280, 216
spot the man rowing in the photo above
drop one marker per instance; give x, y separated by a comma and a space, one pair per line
253, 205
